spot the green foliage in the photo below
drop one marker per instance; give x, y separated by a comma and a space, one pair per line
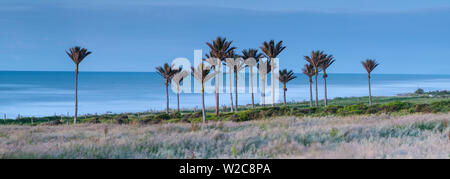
162, 116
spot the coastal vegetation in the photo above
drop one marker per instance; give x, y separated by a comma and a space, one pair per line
360, 136
400, 105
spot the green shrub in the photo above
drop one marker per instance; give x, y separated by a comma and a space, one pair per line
162, 116
373, 109
422, 108
440, 106
396, 106
353, 109
332, 109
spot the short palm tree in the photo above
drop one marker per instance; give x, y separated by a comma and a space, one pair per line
77, 54
229, 62
251, 58
202, 74
272, 51
167, 72
328, 60
284, 77
369, 65
220, 48
177, 79
315, 60
308, 70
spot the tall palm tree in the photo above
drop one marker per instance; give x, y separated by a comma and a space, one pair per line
315, 60
177, 79
369, 65
167, 72
284, 77
202, 74
272, 51
308, 70
264, 68
328, 60
220, 48
77, 54
251, 58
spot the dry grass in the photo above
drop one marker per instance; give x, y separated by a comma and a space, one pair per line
375, 136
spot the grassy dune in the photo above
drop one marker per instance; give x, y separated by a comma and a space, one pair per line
357, 136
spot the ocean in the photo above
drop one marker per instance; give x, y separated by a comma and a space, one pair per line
49, 93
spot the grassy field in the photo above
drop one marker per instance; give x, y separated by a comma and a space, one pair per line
358, 136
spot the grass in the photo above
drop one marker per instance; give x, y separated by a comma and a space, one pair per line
356, 136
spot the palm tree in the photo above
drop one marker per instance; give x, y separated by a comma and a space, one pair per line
177, 79
272, 51
284, 77
230, 63
167, 72
328, 60
369, 65
251, 58
308, 70
264, 68
77, 54
219, 49
202, 74
315, 60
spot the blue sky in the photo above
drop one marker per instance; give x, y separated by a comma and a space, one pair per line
406, 36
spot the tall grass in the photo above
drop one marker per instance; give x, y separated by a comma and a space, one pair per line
364, 136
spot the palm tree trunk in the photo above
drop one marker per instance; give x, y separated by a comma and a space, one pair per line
235, 92
263, 92
217, 104
325, 89
203, 104
370, 92
178, 98
167, 98
231, 92
216, 82
310, 93
76, 95
251, 87
284, 91
317, 92
273, 85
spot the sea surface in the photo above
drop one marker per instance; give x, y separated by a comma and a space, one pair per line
50, 93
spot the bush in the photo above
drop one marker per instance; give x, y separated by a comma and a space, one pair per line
440, 106
422, 108
331, 109
162, 116
353, 109
373, 109
396, 106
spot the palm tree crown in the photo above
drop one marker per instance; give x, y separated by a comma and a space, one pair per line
370, 65
308, 70
316, 58
167, 72
220, 48
286, 76
327, 61
251, 53
77, 54
271, 50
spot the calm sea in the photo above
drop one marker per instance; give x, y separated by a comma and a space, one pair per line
49, 93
